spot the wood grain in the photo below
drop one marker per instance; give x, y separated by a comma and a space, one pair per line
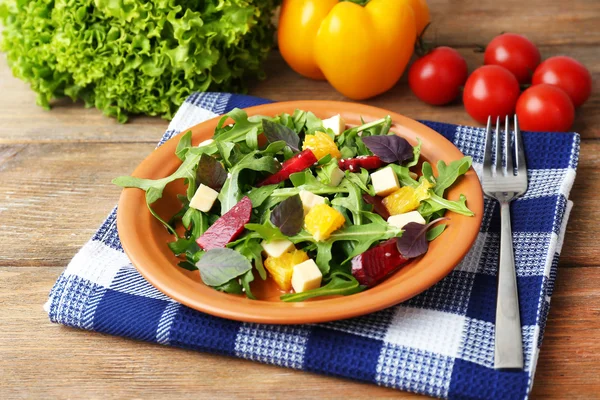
55, 172
94, 365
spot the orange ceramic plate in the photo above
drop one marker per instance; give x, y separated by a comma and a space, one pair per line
145, 240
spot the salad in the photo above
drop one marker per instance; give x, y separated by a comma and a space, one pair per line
320, 208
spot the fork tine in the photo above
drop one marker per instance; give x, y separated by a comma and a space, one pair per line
519, 149
487, 154
508, 149
498, 143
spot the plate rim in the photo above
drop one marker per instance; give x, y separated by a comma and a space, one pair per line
294, 313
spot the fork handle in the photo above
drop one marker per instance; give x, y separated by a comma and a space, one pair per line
508, 344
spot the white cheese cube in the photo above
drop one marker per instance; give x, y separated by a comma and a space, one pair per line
336, 124
204, 198
385, 181
206, 142
306, 276
276, 248
336, 177
400, 220
309, 200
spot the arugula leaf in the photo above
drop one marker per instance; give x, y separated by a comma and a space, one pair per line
195, 221
325, 160
266, 230
181, 245
449, 173
242, 125
187, 265
311, 184
436, 231
363, 236
252, 250
299, 120
246, 279
339, 284
361, 179
353, 202
276, 132
225, 149
416, 154
184, 145
231, 193
403, 174
427, 172
154, 187
232, 287
252, 139
313, 123
274, 147
258, 195
210, 172
436, 203
288, 216
218, 266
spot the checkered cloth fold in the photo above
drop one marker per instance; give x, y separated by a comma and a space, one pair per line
439, 343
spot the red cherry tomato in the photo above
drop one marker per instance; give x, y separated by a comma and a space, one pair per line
515, 53
545, 108
568, 74
490, 91
436, 78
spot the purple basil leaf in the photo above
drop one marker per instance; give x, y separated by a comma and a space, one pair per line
288, 216
210, 172
413, 242
390, 148
276, 132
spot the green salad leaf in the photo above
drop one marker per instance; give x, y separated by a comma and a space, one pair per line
339, 284
219, 266
231, 192
136, 57
449, 173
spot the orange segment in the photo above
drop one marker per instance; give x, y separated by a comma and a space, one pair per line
406, 198
321, 144
322, 220
281, 268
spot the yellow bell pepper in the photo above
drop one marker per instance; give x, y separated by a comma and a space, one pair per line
361, 50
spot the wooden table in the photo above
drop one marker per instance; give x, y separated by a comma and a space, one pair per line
55, 172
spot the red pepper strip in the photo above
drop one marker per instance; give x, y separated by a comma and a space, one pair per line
228, 227
356, 163
301, 161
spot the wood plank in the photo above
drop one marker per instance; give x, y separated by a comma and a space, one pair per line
21, 121
31, 348
461, 23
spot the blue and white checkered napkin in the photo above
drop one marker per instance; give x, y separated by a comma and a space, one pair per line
440, 343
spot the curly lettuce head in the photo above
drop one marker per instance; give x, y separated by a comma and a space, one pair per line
134, 56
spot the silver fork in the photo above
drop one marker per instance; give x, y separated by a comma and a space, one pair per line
505, 183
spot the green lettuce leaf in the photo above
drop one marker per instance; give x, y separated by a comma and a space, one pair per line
135, 56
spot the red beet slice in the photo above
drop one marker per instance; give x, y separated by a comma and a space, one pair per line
301, 161
356, 163
228, 227
377, 203
375, 264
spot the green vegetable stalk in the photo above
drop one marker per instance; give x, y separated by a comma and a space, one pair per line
135, 56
